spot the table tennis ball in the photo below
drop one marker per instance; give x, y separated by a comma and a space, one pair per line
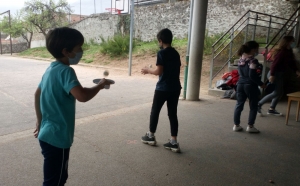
106, 73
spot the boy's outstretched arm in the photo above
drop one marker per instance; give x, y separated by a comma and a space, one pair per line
38, 113
83, 94
158, 71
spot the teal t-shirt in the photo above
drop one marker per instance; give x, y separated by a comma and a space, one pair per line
58, 105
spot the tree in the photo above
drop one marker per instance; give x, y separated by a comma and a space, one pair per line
46, 14
17, 28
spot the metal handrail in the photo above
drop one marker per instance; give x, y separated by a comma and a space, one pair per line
221, 44
269, 15
228, 59
268, 21
228, 43
230, 28
267, 46
223, 67
230, 34
249, 11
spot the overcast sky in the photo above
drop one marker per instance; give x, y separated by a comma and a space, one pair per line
87, 6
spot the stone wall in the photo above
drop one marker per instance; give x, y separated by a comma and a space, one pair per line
150, 19
96, 26
16, 48
38, 43
222, 14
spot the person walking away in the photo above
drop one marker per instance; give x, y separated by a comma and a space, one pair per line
282, 57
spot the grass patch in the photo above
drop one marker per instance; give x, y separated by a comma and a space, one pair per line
90, 49
37, 52
118, 48
209, 41
143, 48
180, 43
88, 60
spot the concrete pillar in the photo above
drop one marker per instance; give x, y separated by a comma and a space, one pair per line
196, 49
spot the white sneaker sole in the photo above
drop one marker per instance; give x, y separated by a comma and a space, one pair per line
173, 149
149, 142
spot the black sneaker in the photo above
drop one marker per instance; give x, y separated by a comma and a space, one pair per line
173, 148
148, 140
274, 112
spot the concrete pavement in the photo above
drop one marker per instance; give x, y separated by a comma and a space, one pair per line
107, 148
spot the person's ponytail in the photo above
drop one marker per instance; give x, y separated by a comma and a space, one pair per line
247, 47
243, 49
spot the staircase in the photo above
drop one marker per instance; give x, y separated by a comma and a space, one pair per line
266, 29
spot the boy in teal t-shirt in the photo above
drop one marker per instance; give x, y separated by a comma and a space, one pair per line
55, 100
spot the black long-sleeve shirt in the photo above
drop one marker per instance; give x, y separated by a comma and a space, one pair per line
247, 68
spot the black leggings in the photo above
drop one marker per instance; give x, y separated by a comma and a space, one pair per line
172, 102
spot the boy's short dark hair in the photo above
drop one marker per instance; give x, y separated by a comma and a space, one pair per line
165, 35
60, 38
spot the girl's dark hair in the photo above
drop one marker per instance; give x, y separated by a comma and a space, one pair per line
60, 38
247, 47
165, 35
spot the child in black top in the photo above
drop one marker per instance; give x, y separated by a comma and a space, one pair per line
247, 86
167, 89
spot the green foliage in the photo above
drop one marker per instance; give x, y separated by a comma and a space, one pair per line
209, 41
17, 27
85, 46
37, 52
92, 42
88, 61
116, 46
180, 43
151, 47
89, 52
143, 48
46, 14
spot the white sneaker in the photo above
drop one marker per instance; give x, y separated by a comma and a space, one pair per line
252, 130
237, 128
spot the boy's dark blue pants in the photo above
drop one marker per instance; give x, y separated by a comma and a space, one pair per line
55, 164
160, 97
251, 92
